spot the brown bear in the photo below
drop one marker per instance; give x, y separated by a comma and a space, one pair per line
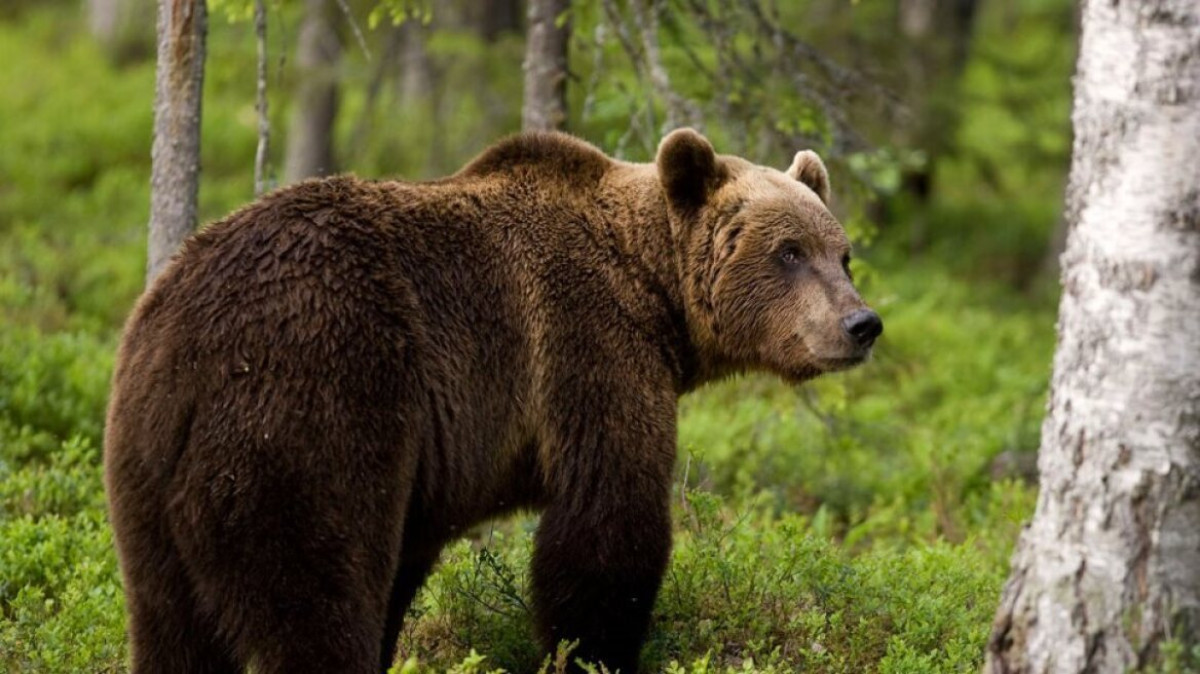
327, 386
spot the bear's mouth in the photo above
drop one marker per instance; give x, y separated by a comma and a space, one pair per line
843, 362
819, 365
854, 357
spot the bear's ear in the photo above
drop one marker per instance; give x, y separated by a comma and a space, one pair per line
808, 168
687, 168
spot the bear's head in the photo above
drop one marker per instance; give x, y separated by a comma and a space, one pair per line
764, 264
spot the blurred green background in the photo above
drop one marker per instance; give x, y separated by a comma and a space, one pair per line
860, 523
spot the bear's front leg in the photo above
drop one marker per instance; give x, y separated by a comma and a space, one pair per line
604, 540
596, 572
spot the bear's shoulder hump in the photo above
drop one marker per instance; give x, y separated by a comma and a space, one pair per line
557, 155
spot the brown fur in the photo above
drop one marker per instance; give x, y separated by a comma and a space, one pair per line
328, 385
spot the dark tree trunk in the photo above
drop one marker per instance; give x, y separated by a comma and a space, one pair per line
938, 37
310, 133
545, 66
175, 156
497, 17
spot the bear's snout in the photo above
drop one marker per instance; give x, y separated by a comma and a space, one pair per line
863, 326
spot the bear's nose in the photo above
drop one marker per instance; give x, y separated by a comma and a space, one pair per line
863, 326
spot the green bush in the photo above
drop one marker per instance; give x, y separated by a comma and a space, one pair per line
745, 585
54, 384
909, 433
61, 609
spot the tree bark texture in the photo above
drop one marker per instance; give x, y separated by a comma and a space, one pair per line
310, 133
496, 17
175, 154
916, 18
416, 68
121, 27
105, 18
1109, 568
260, 100
545, 106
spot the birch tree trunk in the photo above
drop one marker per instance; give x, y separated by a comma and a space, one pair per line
310, 133
175, 155
545, 106
260, 100
1110, 566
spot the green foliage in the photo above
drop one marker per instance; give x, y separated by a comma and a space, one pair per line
748, 589
73, 189
1176, 657
61, 608
56, 384
399, 11
910, 434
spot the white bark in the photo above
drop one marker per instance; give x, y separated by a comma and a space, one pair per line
1110, 566
260, 100
545, 105
175, 155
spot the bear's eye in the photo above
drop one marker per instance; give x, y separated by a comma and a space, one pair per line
791, 256
846, 266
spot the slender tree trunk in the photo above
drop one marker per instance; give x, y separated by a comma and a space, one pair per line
121, 27
936, 44
1110, 566
916, 18
416, 68
545, 66
261, 179
496, 17
310, 134
175, 156
383, 67
107, 19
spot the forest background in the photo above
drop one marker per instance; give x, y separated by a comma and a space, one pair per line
860, 523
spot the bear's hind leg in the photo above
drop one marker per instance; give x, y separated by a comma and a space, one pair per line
307, 598
298, 563
306, 587
169, 643
168, 633
416, 561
